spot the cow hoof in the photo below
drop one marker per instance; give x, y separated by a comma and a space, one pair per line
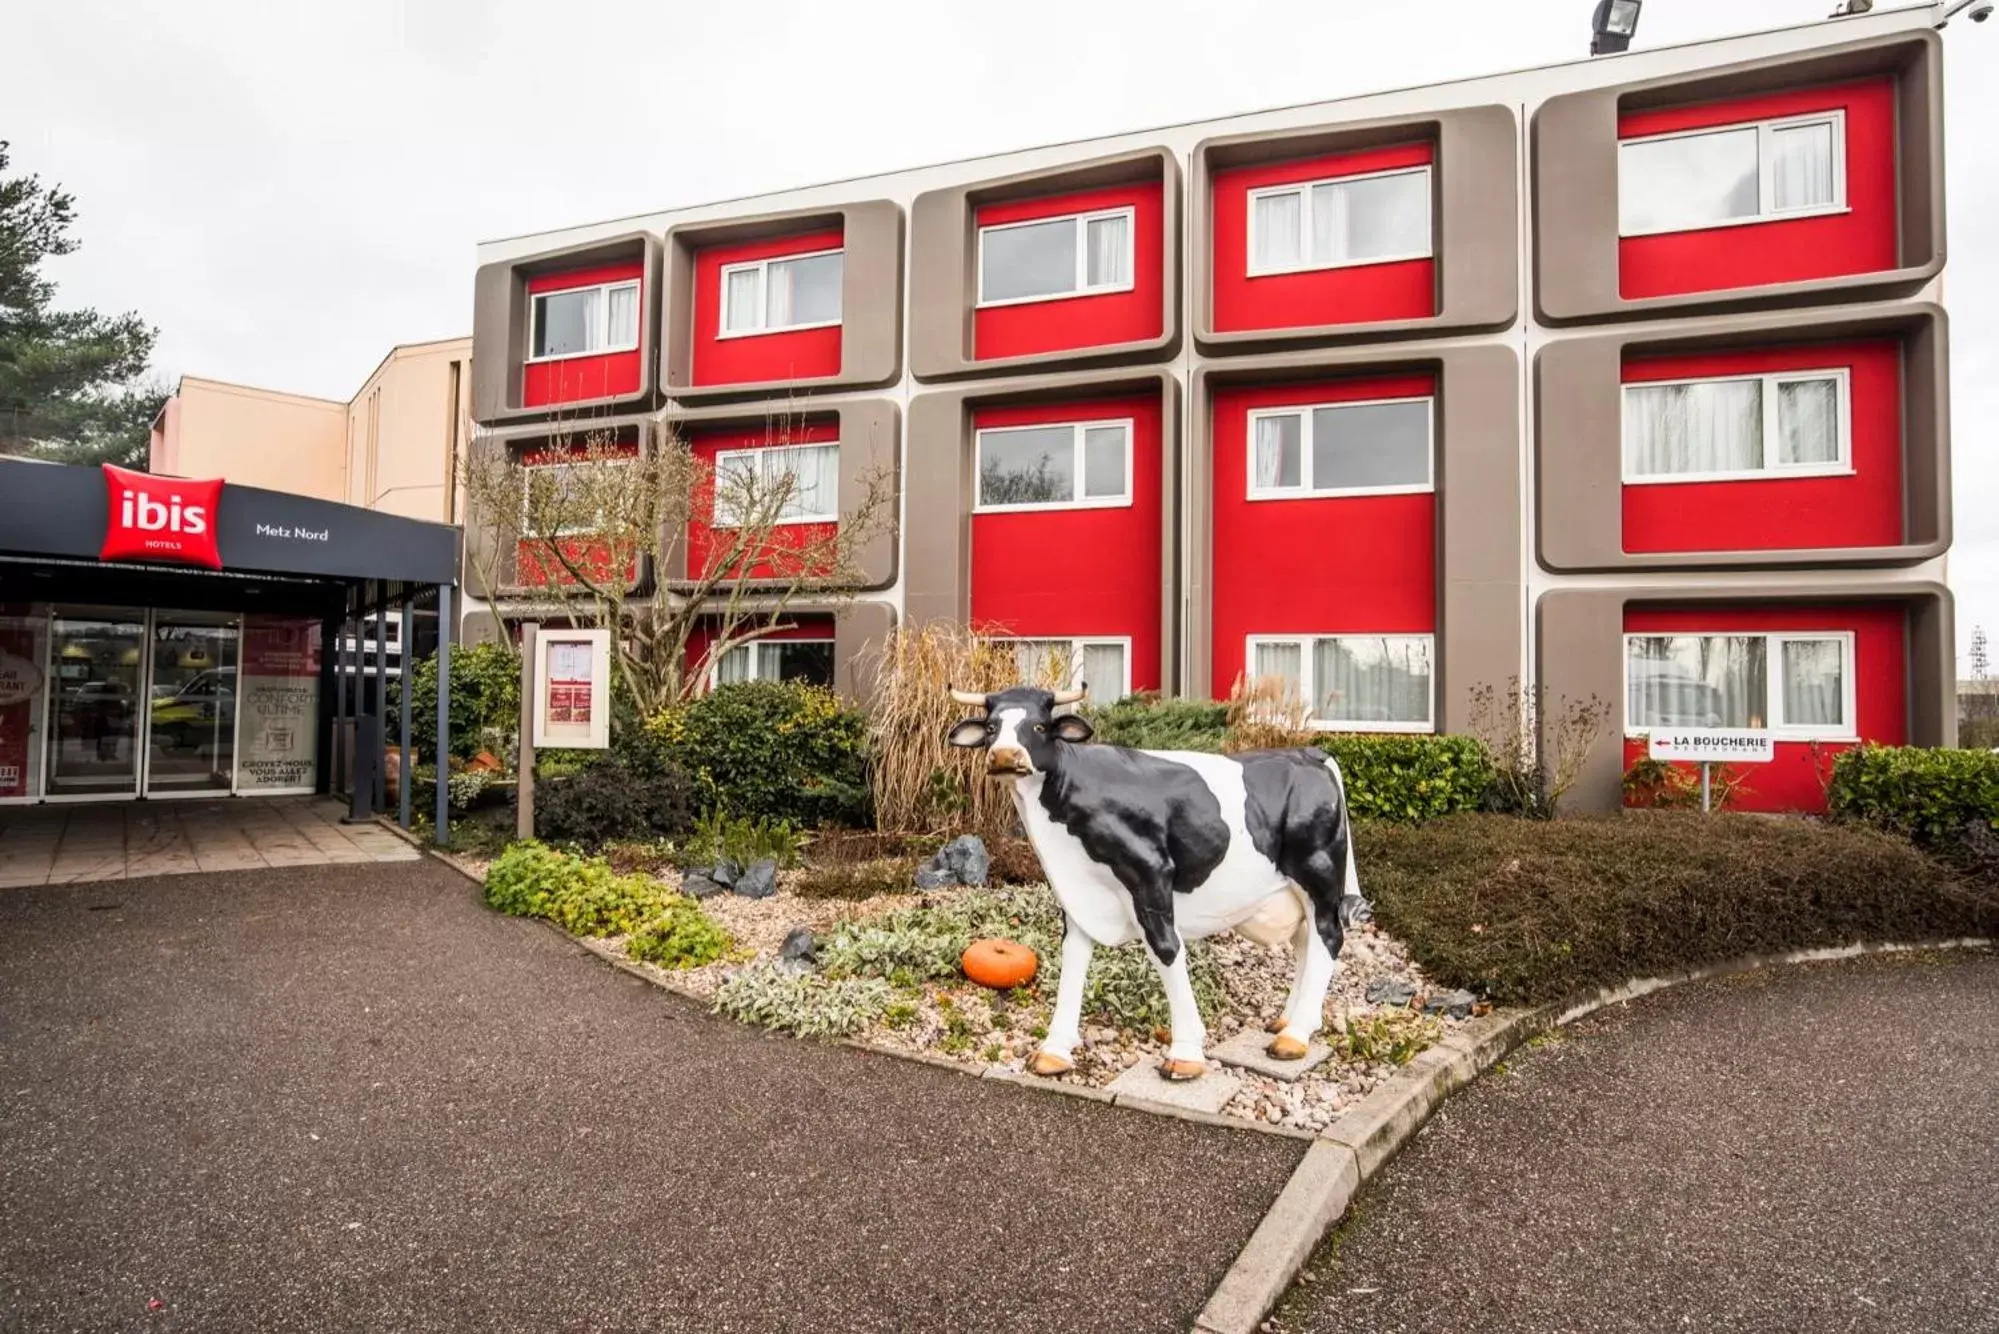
1284, 1047
1276, 1025
1181, 1071
1048, 1063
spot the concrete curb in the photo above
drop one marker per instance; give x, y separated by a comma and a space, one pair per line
1352, 1150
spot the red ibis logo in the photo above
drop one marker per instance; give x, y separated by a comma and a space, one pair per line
161, 518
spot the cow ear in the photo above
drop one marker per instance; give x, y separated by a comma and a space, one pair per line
1072, 727
971, 732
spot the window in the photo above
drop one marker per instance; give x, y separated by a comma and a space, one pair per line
584, 321
1104, 664
1084, 254
1728, 681
806, 660
1073, 465
1352, 683
746, 481
775, 295
1344, 449
551, 505
1375, 219
1789, 424
1733, 174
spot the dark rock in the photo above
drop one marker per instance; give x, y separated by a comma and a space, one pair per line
724, 872
931, 877
797, 946
759, 881
698, 885
1456, 1004
1390, 992
962, 861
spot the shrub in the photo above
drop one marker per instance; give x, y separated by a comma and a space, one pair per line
775, 749
808, 1004
1928, 795
680, 936
1660, 785
858, 880
614, 796
1146, 722
1396, 1037
718, 837
1394, 777
524, 880
1528, 911
485, 702
584, 898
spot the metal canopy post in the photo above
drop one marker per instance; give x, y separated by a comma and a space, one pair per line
403, 769
379, 798
441, 832
341, 735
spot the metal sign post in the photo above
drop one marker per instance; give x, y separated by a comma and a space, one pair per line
524, 754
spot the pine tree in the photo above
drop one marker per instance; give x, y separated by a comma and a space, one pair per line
70, 380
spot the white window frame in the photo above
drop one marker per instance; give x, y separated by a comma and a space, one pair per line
1081, 222
1305, 490
762, 267
603, 326
1773, 683
1077, 643
762, 451
1772, 469
1303, 189
528, 533
1077, 431
756, 648
1766, 209
1309, 687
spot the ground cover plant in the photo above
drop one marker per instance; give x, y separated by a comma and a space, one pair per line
586, 897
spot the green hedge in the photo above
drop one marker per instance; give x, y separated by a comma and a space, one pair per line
1410, 778
1928, 795
485, 702
774, 749
588, 898
1146, 722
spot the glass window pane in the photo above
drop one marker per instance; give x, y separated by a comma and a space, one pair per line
1814, 682
1693, 428
1377, 679
1695, 681
735, 665
1692, 181
622, 320
809, 476
810, 661
1103, 461
1034, 465
1109, 252
1808, 421
1103, 668
1038, 259
1379, 217
1280, 451
1043, 662
566, 322
1371, 444
1276, 225
1285, 661
805, 291
742, 304
737, 487
1801, 166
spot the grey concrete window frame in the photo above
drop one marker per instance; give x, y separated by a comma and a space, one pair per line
1079, 433
1305, 229
763, 267
1766, 211
1308, 687
604, 317
1081, 223
1848, 729
1305, 490
1772, 427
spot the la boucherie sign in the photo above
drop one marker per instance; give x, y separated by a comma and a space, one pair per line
1712, 745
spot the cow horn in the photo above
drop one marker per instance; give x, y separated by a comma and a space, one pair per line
968, 697
1072, 696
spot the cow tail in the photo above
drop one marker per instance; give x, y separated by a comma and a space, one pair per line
1354, 909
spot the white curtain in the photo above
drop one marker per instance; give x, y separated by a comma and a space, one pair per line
1801, 166
734, 665
815, 472
1696, 681
1814, 682
743, 300
621, 328
1376, 217
1280, 450
735, 487
1384, 679
1808, 421
1108, 252
1103, 668
1285, 661
1279, 230
1693, 428
1043, 662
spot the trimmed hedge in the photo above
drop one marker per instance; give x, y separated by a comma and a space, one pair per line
775, 749
1394, 777
1524, 911
1146, 722
1929, 795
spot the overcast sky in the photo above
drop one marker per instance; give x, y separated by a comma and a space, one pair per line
288, 187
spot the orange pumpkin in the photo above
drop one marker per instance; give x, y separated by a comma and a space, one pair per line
999, 964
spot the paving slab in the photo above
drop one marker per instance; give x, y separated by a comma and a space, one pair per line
1246, 1050
1143, 1086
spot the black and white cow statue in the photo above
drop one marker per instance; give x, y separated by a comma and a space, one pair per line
1173, 845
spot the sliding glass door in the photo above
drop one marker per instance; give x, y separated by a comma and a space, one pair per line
191, 725
96, 703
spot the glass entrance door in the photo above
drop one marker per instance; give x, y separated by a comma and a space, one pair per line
96, 703
191, 726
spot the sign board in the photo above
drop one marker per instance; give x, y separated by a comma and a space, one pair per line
1712, 745
161, 518
572, 689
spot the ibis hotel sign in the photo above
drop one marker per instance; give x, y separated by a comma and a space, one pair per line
161, 518
1713, 745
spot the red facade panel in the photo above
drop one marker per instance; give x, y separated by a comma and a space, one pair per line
1860, 239
1065, 322
576, 379
753, 358
1794, 780
707, 545
1078, 572
1357, 294
1320, 565
1773, 512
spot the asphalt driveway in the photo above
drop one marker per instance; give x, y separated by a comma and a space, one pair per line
350, 1097
1803, 1149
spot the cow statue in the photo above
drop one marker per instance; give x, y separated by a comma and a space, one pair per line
1173, 845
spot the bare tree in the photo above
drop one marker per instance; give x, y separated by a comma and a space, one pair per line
581, 519
1539, 743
